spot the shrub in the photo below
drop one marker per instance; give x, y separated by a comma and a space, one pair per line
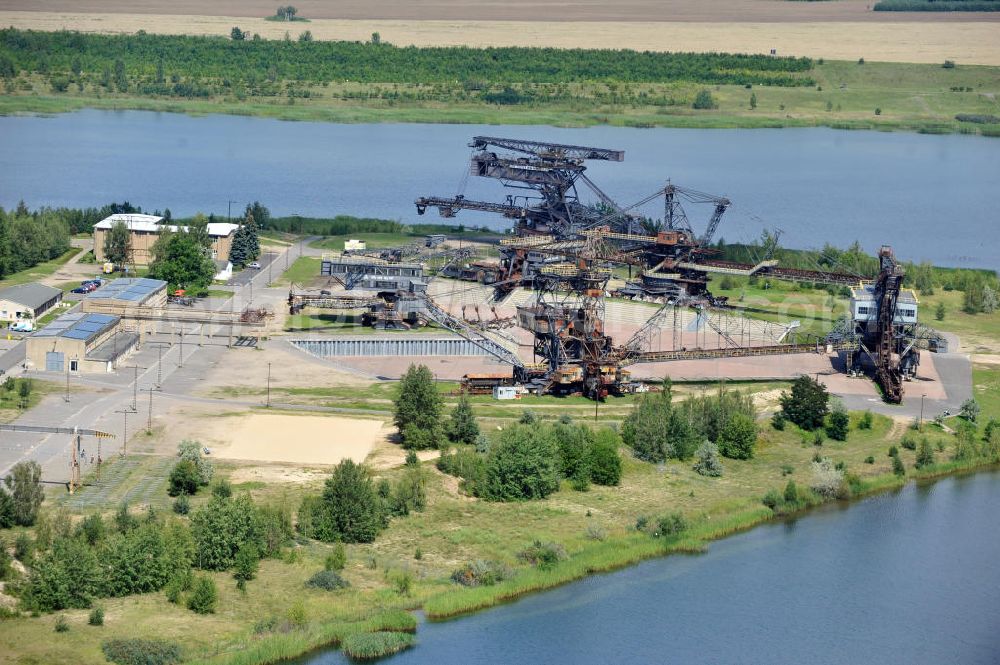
482, 572
245, 563
791, 494
418, 408
818, 437
595, 532
462, 428
336, 559
738, 437
67, 577
182, 505
893, 451
23, 547
865, 422
573, 443
368, 646
135, 561
409, 494
203, 596
222, 527
191, 451
704, 100
92, 529
870, 459
96, 617
141, 652
897, 466
605, 460
657, 430
467, 464
62, 626
184, 479
543, 555
671, 525
772, 499
402, 581
522, 465
297, 614
707, 460
778, 421
925, 455
23, 484
838, 424
828, 481
909, 441
327, 580
222, 489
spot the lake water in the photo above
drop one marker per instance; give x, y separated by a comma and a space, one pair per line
906, 578
931, 197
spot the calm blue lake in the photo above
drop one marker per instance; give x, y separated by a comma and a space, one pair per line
931, 197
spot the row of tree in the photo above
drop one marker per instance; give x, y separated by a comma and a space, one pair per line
239, 60
29, 238
659, 429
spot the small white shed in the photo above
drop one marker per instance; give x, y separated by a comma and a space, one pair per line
505, 392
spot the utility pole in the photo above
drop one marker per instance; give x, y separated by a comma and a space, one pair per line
66, 397
920, 422
149, 416
124, 451
268, 404
180, 355
270, 265
135, 388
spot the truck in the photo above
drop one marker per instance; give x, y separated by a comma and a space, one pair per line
24, 325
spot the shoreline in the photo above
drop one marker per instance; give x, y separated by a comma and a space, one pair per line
43, 106
606, 557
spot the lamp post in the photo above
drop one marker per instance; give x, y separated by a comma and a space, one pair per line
268, 404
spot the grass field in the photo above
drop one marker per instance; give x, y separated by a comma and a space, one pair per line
911, 97
39, 271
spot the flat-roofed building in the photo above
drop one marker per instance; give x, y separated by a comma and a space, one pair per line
865, 309
80, 342
145, 229
27, 301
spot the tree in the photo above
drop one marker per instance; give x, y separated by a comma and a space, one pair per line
409, 494
24, 482
655, 430
183, 262
839, 423
418, 409
203, 596
246, 241
753, 100
605, 461
349, 510
222, 527
184, 479
791, 494
806, 406
134, 562
121, 80
6, 508
925, 453
939, 312
707, 460
237, 35
66, 577
704, 100
245, 564
521, 465
376, 38
462, 428
574, 442
306, 36
738, 437
897, 465
191, 451
970, 409
117, 244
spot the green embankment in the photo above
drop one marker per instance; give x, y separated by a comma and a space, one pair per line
375, 83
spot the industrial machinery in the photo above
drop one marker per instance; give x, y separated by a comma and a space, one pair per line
76, 448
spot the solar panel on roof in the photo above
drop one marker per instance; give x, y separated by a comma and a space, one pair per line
103, 318
77, 334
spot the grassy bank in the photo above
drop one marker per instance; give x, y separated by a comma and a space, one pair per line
847, 95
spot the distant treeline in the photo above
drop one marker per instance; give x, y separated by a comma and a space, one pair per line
158, 64
854, 260
342, 225
937, 6
29, 238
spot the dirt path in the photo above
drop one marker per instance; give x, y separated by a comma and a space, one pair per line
975, 40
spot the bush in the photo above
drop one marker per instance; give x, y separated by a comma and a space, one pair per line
543, 555
222, 527
467, 464
772, 499
671, 525
897, 466
402, 581
778, 421
482, 572
865, 422
222, 489
462, 428
605, 460
791, 494
245, 563
418, 408
142, 652
909, 441
67, 577
522, 465
738, 437
870, 459
337, 559
708, 462
203, 596
182, 505
96, 617
704, 100
838, 424
62, 626
184, 479
327, 580
23, 484
828, 481
925, 455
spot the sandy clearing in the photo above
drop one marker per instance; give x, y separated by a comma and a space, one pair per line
293, 439
986, 358
968, 42
539, 10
